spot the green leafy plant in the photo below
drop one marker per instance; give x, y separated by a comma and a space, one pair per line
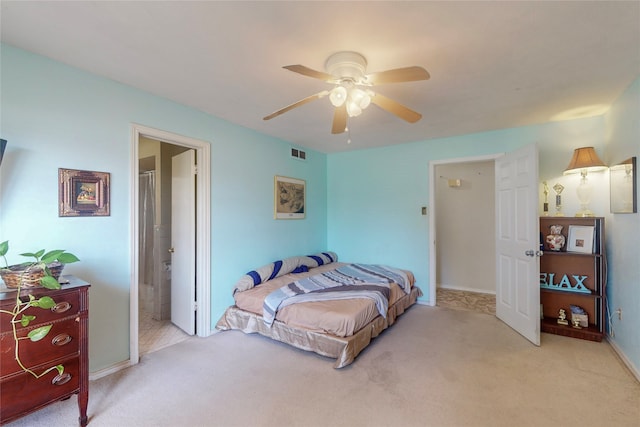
42, 262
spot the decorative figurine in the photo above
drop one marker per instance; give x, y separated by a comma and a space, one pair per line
558, 189
562, 317
555, 240
579, 315
575, 323
545, 206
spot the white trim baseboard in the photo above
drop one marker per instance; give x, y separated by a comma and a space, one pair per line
110, 370
624, 359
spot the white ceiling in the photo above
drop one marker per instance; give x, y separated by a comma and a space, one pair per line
493, 65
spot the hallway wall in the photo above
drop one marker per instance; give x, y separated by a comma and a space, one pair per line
465, 226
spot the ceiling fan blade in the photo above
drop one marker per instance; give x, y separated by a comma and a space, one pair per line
395, 108
398, 75
306, 71
339, 119
297, 104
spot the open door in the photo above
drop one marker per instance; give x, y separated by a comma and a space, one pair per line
517, 242
183, 241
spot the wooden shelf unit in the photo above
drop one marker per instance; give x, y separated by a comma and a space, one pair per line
560, 263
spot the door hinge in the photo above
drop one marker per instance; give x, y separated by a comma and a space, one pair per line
195, 169
195, 306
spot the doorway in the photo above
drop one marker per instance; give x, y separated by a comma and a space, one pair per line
157, 327
516, 238
465, 226
462, 199
151, 300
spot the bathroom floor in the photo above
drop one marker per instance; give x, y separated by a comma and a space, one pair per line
157, 334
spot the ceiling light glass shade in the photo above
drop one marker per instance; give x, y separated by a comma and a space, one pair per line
338, 96
353, 109
360, 97
584, 160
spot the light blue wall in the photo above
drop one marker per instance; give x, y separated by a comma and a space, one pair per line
375, 196
623, 231
55, 116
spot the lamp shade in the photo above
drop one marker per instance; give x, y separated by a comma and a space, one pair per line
585, 158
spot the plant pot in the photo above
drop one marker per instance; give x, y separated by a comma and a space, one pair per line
28, 275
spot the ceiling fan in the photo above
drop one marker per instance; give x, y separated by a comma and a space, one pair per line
351, 93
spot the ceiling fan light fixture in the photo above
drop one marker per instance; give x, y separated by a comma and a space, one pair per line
338, 96
347, 65
353, 109
350, 94
360, 97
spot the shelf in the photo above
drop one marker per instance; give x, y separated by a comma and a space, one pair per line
564, 253
565, 271
575, 294
551, 325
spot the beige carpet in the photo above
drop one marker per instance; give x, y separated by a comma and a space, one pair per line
435, 367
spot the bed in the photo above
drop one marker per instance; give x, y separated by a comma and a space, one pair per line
334, 322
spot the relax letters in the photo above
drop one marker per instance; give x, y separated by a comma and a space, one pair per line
546, 281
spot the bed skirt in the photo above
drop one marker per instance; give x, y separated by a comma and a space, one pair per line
343, 349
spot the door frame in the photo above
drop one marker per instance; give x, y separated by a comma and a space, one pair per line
432, 218
203, 227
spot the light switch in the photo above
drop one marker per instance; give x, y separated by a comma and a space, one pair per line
424, 210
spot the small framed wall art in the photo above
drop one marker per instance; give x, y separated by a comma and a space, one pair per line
289, 198
580, 239
83, 193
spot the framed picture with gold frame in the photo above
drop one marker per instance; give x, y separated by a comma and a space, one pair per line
289, 198
83, 193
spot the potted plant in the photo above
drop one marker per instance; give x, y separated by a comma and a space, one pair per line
43, 272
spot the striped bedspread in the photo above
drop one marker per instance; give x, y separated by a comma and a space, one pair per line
346, 282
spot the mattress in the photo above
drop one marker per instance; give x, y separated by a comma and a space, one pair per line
343, 349
340, 318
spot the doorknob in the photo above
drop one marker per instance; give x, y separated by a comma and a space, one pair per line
171, 250
533, 253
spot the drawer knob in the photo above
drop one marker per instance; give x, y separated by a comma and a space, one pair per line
61, 379
61, 307
61, 339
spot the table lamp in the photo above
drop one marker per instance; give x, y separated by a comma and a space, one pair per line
584, 160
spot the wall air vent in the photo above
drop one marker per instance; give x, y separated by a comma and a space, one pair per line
297, 153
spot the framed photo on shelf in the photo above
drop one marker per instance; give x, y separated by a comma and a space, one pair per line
580, 239
289, 198
83, 193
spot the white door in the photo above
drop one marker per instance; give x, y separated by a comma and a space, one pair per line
183, 241
517, 242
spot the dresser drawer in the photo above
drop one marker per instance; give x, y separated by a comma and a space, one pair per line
23, 393
67, 304
61, 341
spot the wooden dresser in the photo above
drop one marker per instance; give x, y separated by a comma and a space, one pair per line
66, 343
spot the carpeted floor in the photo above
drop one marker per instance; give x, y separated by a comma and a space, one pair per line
435, 367
464, 300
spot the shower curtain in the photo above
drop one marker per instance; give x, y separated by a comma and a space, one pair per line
147, 209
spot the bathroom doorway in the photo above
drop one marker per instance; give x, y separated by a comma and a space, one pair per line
152, 325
